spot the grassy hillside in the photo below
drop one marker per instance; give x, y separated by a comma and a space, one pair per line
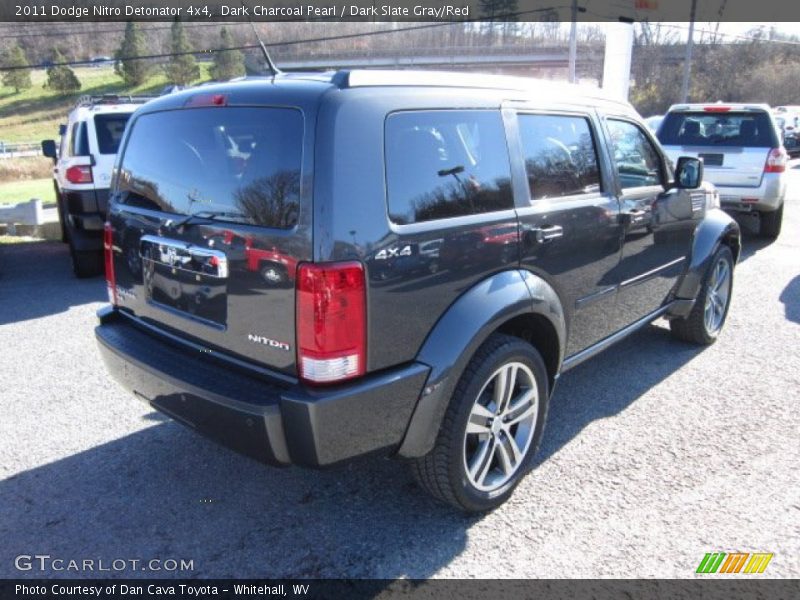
22, 191
35, 114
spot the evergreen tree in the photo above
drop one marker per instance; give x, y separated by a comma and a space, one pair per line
182, 69
19, 79
61, 77
230, 63
133, 72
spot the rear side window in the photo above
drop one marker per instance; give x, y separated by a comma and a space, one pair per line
79, 140
749, 129
109, 129
560, 155
239, 164
442, 164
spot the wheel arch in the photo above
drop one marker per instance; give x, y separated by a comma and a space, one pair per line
717, 228
516, 303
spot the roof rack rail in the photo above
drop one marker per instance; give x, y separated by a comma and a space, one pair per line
88, 100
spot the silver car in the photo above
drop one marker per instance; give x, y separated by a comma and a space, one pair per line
742, 152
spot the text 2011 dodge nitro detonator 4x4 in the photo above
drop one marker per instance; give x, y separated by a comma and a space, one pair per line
313, 267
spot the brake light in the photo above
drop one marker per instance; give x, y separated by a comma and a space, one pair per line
108, 254
206, 100
79, 174
331, 321
776, 161
717, 109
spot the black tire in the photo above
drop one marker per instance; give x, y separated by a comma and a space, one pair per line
770, 223
694, 328
443, 471
86, 263
273, 273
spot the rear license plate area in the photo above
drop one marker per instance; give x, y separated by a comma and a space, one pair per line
188, 280
712, 160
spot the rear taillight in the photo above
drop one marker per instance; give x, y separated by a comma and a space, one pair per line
79, 174
331, 321
108, 254
776, 161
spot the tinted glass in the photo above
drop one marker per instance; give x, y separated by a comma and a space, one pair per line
443, 164
240, 163
637, 161
79, 144
751, 129
109, 129
560, 155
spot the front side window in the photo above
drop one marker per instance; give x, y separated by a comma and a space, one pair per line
560, 155
442, 164
240, 164
637, 161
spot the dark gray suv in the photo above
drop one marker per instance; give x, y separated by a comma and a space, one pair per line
310, 268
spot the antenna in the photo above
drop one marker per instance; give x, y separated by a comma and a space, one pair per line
270, 65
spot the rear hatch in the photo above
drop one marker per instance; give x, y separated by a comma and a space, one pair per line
733, 144
205, 227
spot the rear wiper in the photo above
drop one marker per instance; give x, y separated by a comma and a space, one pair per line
204, 216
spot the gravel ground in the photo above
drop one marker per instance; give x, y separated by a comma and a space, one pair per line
656, 452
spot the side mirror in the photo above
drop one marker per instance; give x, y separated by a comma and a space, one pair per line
62, 129
49, 149
688, 173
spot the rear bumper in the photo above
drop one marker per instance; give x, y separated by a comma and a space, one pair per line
768, 196
275, 422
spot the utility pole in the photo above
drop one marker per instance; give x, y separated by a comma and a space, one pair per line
687, 62
573, 42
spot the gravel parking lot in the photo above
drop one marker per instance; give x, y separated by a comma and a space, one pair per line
655, 453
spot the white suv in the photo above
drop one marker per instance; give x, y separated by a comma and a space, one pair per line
743, 155
82, 174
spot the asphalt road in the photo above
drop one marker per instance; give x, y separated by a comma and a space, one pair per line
655, 453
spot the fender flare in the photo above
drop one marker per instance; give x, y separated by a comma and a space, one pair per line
469, 321
715, 229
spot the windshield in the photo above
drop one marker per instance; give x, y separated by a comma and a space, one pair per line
748, 129
239, 162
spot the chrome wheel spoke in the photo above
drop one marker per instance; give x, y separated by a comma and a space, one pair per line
509, 454
479, 419
522, 409
481, 462
504, 388
722, 276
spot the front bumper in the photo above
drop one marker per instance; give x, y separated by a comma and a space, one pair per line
272, 421
768, 196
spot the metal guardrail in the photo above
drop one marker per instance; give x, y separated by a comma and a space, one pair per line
19, 149
24, 213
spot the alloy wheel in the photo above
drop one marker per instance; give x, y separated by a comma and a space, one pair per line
717, 296
501, 426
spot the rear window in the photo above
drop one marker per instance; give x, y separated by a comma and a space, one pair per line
442, 164
747, 129
240, 164
109, 130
